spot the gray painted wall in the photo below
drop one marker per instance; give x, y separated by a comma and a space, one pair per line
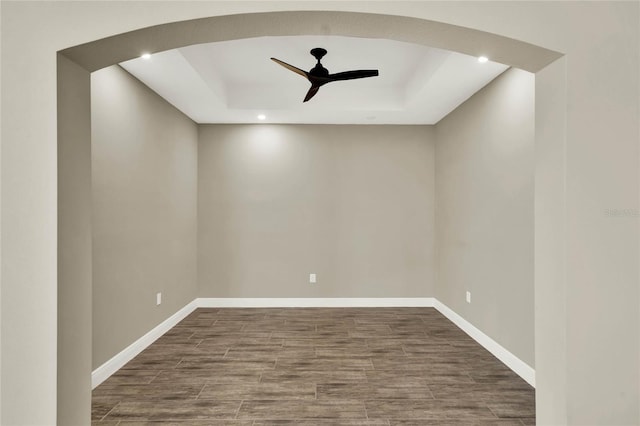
74, 247
550, 248
484, 211
353, 204
144, 160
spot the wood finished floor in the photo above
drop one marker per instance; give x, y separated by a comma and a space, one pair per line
303, 367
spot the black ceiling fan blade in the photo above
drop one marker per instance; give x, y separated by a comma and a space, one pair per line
311, 93
352, 75
318, 76
291, 68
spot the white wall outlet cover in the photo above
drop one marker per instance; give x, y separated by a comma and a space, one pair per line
312, 278
158, 298
468, 297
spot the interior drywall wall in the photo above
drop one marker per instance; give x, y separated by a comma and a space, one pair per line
0, 244
550, 242
600, 80
484, 211
144, 161
352, 204
74, 247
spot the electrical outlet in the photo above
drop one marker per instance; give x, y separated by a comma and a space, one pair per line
158, 298
312, 278
468, 297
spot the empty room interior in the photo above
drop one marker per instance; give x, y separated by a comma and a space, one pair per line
313, 239
272, 214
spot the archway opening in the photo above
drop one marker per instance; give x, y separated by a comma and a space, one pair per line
74, 135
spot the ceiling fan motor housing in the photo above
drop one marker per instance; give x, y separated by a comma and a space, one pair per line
318, 53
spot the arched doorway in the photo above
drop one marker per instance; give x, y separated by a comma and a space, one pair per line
74, 154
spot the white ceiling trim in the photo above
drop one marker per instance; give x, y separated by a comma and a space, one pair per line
234, 81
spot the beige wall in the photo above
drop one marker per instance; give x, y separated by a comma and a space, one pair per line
144, 210
74, 244
484, 211
550, 242
595, 90
353, 204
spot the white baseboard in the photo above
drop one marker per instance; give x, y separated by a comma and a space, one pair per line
334, 302
521, 368
103, 372
518, 366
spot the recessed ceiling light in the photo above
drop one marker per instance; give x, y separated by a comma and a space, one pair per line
483, 59
146, 56
262, 117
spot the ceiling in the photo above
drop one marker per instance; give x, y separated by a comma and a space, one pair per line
235, 81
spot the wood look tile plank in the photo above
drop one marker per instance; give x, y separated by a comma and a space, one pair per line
224, 365
160, 410
202, 352
511, 409
195, 322
363, 391
100, 407
396, 340
324, 364
259, 353
172, 351
449, 422
322, 422
202, 377
314, 366
314, 376
240, 339
153, 363
504, 392
425, 366
359, 352
133, 376
259, 391
187, 340
395, 378
209, 422
430, 379
429, 409
152, 390
405, 409
324, 342
293, 410
208, 334
319, 335
296, 352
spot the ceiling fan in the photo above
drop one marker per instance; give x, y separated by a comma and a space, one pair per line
319, 75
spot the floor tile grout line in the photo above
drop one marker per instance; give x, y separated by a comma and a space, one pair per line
238, 410
489, 408
109, 412
201, 389
404, 350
